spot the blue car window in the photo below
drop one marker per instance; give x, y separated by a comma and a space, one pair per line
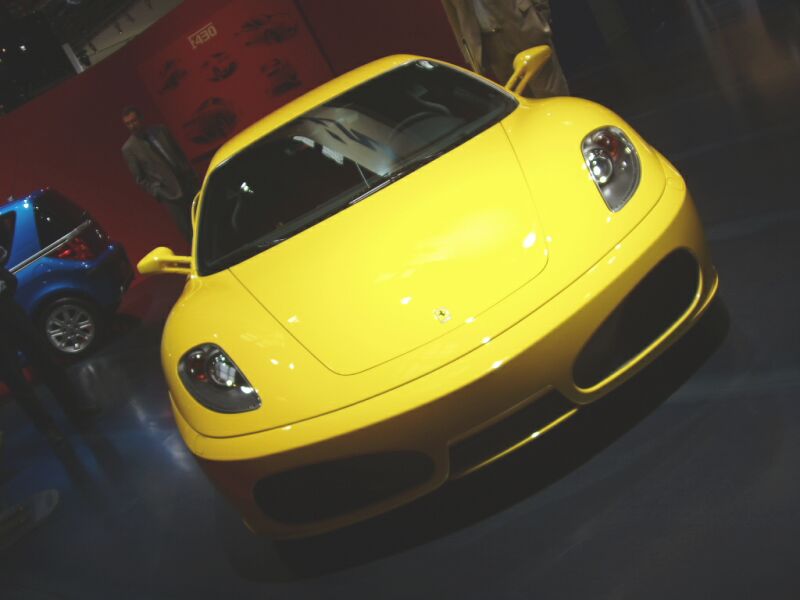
55, 217
7, 222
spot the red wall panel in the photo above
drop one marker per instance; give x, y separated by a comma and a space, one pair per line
352, 32
70, 138
251, 57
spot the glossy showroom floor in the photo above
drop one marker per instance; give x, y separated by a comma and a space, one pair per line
684, 484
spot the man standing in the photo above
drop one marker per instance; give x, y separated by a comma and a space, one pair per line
492, 32
160, 167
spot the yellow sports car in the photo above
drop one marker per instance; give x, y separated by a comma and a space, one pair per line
410, 272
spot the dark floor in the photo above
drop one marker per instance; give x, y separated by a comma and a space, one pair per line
684, 484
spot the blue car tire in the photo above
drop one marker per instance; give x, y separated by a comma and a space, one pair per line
71, 326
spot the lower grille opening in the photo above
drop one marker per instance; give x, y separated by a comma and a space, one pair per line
504, 434
335, 488
659, 300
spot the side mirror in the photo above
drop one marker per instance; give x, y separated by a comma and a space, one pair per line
526, 65
163, 261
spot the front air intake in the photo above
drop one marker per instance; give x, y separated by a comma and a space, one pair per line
654, 305
330, 489
523, 425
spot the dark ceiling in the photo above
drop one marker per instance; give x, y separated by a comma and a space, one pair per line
73, 21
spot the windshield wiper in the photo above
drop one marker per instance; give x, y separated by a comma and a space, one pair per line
267, 244
414, 165
399, 174
424, 160
245, 252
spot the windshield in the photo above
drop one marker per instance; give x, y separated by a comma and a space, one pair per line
337, 154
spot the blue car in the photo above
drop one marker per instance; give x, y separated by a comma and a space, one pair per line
71, 276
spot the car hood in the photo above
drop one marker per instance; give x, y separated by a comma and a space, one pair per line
410, 263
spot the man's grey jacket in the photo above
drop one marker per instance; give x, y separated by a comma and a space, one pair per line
516, 25
159, 165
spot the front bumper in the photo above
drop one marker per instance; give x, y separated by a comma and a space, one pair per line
510, 373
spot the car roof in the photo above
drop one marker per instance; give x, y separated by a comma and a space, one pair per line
16, 203
308, 101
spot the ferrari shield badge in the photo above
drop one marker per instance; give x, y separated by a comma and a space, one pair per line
442, 315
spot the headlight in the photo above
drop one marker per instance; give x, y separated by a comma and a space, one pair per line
613, 165
215, 381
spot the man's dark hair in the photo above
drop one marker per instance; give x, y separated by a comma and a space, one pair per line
131, 109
